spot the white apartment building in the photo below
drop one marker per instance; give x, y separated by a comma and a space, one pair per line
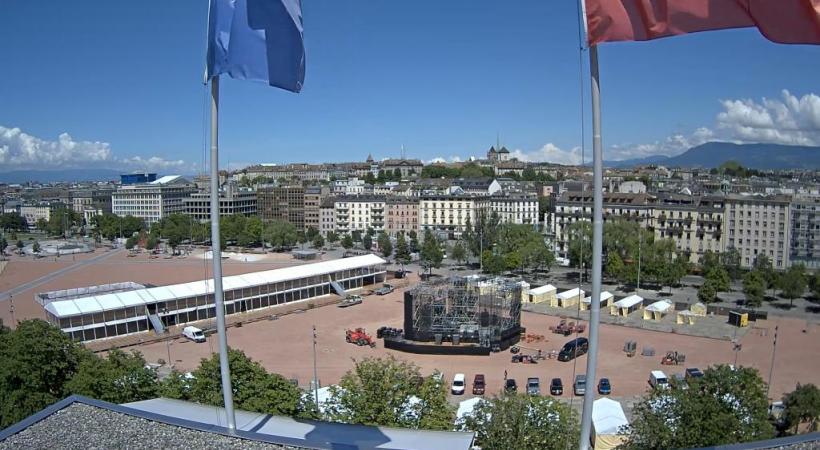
448, 214
327, 216
759, 225
232, 200
34, 212
154, 200
514, 209
359, 213
805, 236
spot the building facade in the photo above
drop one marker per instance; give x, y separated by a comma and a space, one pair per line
285, 203
519, 209
758, 225
359, 212
448, 214
313, 201
327, 216
154, 200
402, 215
805, 233
232, 200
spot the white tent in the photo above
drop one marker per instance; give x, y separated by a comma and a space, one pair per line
657, 310
626, 305
570, 297
607, 419
545, 293
466, 408
605, 298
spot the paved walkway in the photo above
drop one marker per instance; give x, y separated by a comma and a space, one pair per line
57, 273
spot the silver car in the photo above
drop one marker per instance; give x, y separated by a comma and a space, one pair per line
580, 386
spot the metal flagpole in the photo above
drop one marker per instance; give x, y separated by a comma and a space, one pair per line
315, 372
597, 248
216, 255
771, 366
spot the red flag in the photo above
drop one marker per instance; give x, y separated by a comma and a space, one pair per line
783, 21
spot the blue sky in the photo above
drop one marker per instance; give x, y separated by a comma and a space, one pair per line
118, 84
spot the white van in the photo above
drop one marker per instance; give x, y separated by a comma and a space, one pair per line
194, 334
459, 381
658, 380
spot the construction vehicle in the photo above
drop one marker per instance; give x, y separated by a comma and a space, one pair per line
350, 300
673, 358
539, 354
567, 328
359, 337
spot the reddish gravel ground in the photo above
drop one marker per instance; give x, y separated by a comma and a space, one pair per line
284, 345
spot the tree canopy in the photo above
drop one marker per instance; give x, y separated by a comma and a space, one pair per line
431, 254
725, 406
119, 378
390, 392
111, 226
523, 422
802, 406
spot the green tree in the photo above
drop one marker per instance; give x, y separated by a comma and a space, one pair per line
402, 250
367, 242
347, 242
793, 283
720, 278
151, 243
176, 385
254, 388
378, 391
414, 241
13, 222
458, 252
802, 406
492, 263
709, 261
814, 284
20, 245
36, 247
311, 233
332, 237
318, 241
725, 406
118, 378
523, 422
356, 235
580, 244
731, 261
130, 243
385, 245
36, 361
707, 292
431, 254
279, 234
3, 244
42, 224
754, 287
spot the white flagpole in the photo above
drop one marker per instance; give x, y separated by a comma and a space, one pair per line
216, 255
597, 248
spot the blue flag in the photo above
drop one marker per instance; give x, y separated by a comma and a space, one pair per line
257, 40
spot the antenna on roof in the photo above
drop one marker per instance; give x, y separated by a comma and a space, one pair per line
402, 151
497, 140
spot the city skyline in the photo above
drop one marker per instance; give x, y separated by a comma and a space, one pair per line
127, 99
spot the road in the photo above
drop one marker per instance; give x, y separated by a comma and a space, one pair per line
57, 273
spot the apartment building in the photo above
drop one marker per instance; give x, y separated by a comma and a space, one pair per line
313, 202
91, 199
153, 200
327, 215
407, 167
402, 215
575, 206
359, 212
448, 214
759, 225
232, 200
694, 223
33, 212
805, 231
518, 209
285, 203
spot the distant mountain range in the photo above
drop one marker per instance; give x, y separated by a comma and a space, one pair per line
53, 176
754, 156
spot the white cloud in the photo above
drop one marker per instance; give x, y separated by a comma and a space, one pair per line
790, 120
19, 150
551, 153
442, 160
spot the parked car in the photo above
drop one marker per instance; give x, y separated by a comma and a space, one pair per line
573, 349
478, 384
511, 385
556, 387
533, 386
459, 381
604, 387
658, 379
385, 289
350, 300
580, 385
194, 334
693, 372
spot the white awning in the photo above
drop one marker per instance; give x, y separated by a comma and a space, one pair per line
608, 416
543, 289
660, 306
628, 302
571, 293
605, 296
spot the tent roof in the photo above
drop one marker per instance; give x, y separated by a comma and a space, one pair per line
606, 295
543, 289
607, 416
571, 293
628, 302
466, 407
660, 306
137, 297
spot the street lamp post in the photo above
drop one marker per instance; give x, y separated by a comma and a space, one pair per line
315, 372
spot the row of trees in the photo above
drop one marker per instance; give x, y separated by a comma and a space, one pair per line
631, 252
13, 222
469, 170
41, 365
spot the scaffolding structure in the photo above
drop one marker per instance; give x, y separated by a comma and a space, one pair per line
485, 311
